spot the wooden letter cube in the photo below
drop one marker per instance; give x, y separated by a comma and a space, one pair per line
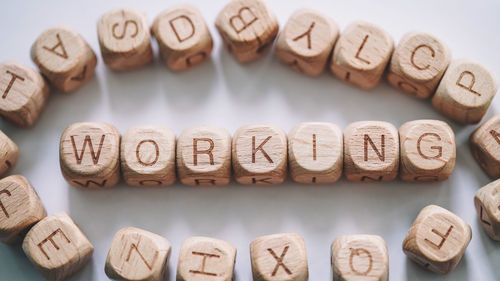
279, 257
428, 151
465, 92
360, 257
361, 54
89, 155
259, 155
204, 156
24, 93
136, 254
306, 41
485, 146
437, 239
487, 202
248, 28
418, 63
183, 37
57, 247
371, 151
206, 259
148, 156
315, 152
124, 39
20, 208
64, 58
9, 153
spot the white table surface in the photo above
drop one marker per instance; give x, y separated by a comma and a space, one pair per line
224, 93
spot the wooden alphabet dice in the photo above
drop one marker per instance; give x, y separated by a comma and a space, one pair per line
148, 156
487, 202
248, 28
183, 37
9, 153
259, 155
361, 54
279, 257
465, 91
437, 239
485, 145
20, 208
428, 151
124, 39
64, 57
206, 259
89, 155
57, 247
371, 151
315, 152
360, 257
24, 93
204, 156
306, 41
136, 254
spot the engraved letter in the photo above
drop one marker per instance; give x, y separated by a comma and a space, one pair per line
134, 247
381, 156
279, 261
433, 54
495, 135
87, 183
439, 149
5, 191
186, 30
202, 269
443, 237
11, 82
199, 182
261, 180
360, 49
95, 157
138, 155
314, 147
240, 17
306, 34
51, 239
124, 31
471, 84
59, 44
358, 252
208, 151
254, 150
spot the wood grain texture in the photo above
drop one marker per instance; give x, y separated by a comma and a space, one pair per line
485, 146
279, 257
204, 156
183, 37
306, 41
20, 208
487, 203
437, 239
248, 28
427, 151
64, 58
57, 247
9, 154
147, 156
315, 152
89, 155
124, 39
361, 54
137, 254
24, 93
360, 257
465, 91
371, 151
418, 63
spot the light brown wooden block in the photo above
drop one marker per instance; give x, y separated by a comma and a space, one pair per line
428, 151
306, 41
259, 155
279, 257
371, 151
89, 155
360, 257
206, 259
183, 37
487, 202
136, 254
248, 28
204, 156
485, 145
57, 247
24, 93
9, 153
418, 63
20, 208
64, 57
315, 152
124, 39
147, 156
465, 91
361, 54
437, 239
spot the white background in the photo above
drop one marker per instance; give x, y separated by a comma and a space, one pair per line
224, 93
